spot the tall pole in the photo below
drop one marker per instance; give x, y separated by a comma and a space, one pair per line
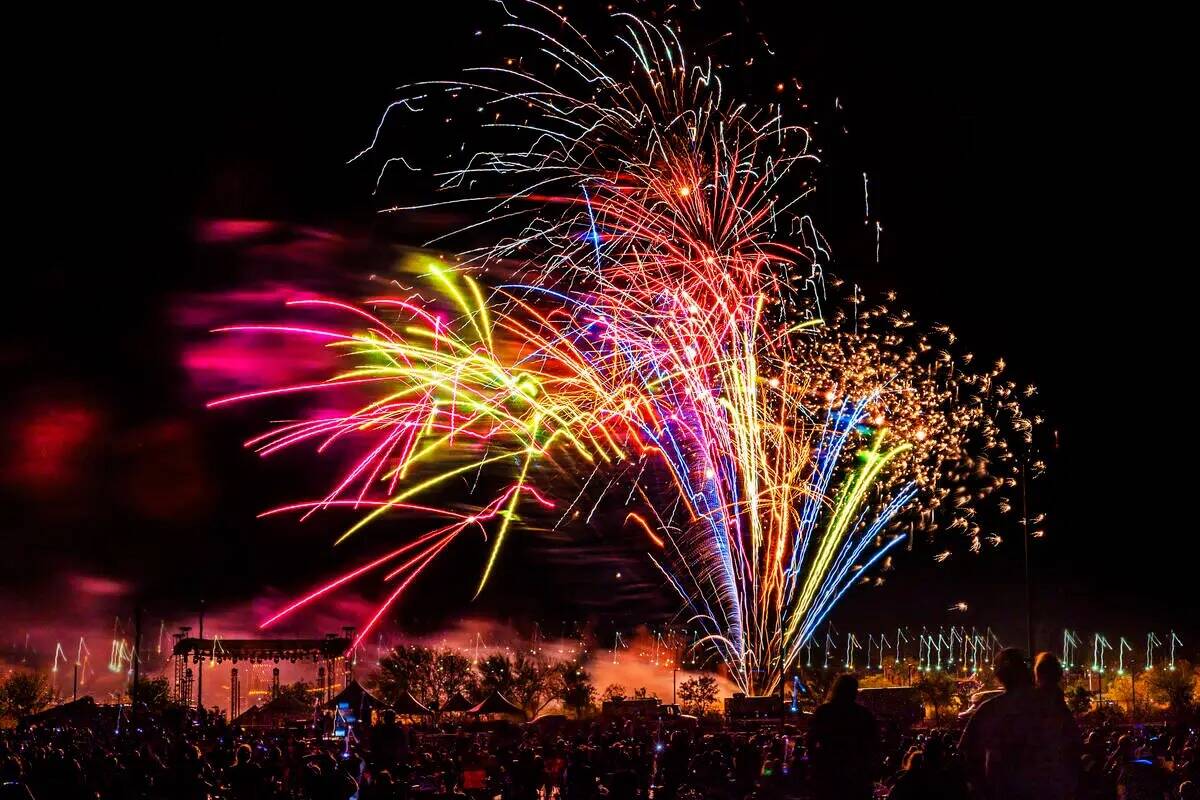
200, 672
137, 657
674, 672
75, 684
1028, 572
1133, 694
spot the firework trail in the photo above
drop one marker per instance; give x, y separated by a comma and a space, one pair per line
662, 328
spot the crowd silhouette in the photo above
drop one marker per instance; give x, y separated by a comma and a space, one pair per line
1020, 745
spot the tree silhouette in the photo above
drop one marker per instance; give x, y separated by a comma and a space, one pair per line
698, 694
535, 684
432, 677
936, 690
612, 692
1079, 699
577, 692
300, 690
154, 693
1174, 688
24, 693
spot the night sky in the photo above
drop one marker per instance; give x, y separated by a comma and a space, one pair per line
1024, 171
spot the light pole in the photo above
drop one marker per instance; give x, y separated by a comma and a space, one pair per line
675, 669
137, 655
1133, 694
1028, 572
200, 672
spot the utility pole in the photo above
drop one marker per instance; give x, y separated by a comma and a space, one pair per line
137, 654
200, 672
1028, 572
1133, 694
675, 672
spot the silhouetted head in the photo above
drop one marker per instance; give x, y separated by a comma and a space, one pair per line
1011, 668
243, 754
844, 689
11, 769
934, 750
1047, 671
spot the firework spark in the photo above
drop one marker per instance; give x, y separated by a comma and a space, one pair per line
665, 332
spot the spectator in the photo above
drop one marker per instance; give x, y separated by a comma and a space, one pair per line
843, 742
1063, 745
244, 778
1013, 746
928, 776
157, 759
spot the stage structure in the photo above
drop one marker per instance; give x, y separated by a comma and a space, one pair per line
329, 656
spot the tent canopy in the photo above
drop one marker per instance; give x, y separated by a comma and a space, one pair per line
458, 703
357, 698
81, 710
278, 712
406, 704
496, 703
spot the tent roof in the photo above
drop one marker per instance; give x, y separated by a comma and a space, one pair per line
356, 696
248, 716
407, 704
285, 705
281, 709
457, 703
83, 708
496, 703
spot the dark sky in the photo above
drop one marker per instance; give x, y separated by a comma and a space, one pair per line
1026, 171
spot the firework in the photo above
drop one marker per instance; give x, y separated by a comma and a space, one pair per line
662, 334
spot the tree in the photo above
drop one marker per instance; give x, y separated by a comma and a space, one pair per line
24, 693
819, 682
534, 684
432, 677
495, 675
300, 690
452, 674
407, 669
1130, 692
154, 693
576, 692
875, 680
698, 694
612, 692
1174, 688
937, 691
1079, 699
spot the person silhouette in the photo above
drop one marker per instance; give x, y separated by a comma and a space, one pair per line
843, 744
1014, 747
1064, 743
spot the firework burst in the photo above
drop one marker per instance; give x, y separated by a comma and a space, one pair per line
665, 325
